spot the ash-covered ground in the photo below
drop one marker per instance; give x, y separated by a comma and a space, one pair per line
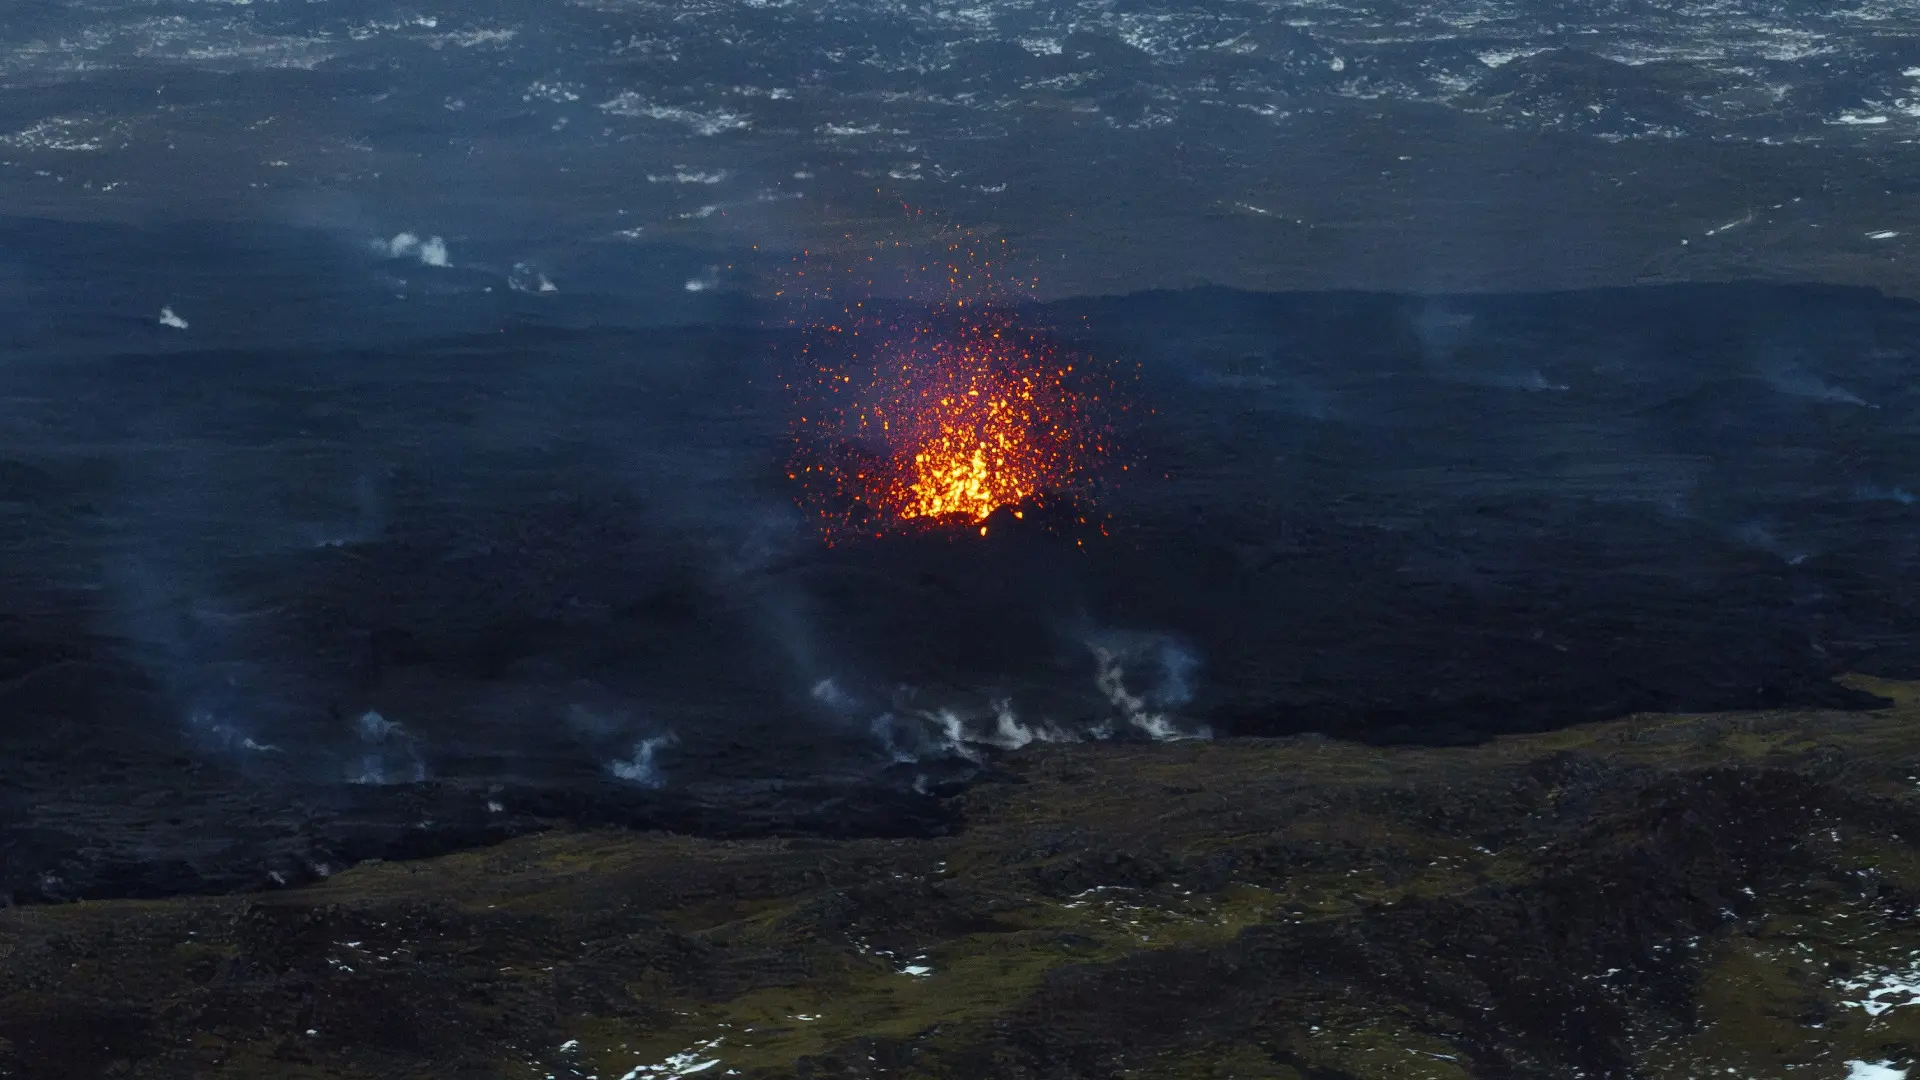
348, 568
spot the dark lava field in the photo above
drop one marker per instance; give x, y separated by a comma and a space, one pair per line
271, 610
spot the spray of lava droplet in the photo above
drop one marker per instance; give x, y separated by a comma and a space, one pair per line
917, 414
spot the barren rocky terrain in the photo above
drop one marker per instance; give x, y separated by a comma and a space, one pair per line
1663, 896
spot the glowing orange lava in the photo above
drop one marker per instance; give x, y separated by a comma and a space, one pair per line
971, 429
914, 414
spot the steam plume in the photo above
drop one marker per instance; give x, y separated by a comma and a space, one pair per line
641, 768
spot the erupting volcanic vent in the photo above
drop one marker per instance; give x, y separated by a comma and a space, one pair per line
942, 413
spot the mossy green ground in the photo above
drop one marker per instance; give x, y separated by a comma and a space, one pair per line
1663, 896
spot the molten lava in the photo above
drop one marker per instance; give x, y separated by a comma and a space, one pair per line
951, 428
915, 414
975, 432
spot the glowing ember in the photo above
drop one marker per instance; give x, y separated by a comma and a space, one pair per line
940, 413
976, 435
951, 425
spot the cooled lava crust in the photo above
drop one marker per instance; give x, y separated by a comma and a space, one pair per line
1382, 518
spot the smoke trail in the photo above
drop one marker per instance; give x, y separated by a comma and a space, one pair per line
1171, 668
1009, 733
389, 755
215, 734
641, 769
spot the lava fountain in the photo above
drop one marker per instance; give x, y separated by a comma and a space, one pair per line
940, 414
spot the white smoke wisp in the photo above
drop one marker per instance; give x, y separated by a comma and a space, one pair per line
1149, 713
1761, 538
1803, 385
377, 729
431, 252
950, 735
885, 732
829, 693
527, 278
1876, 493
903, 741
1109, 678
402, 245
595, 721
911, 730
913, 736
1009, 733
389, 754
642, 769
217, 734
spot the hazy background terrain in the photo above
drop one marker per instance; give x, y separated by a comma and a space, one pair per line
1400, 146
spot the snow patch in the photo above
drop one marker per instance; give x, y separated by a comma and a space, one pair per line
715, 122
473, 39
55, 133
1883, 991
1503, 57
688, 1062
683, 175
